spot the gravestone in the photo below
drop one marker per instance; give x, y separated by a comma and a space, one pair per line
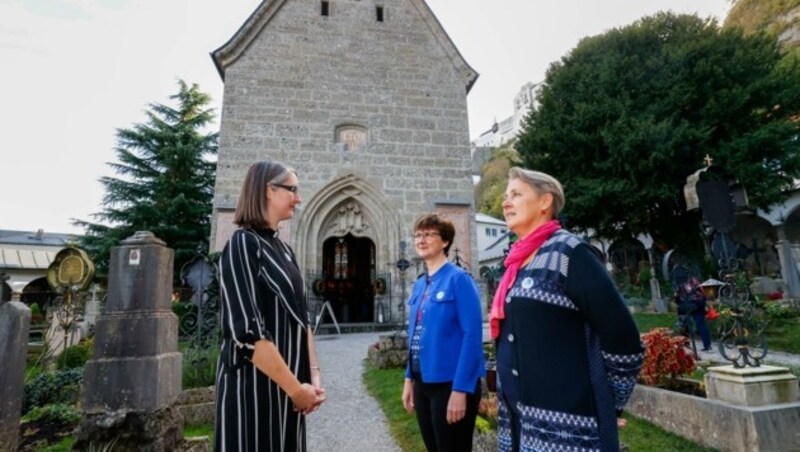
132, 384
15, 321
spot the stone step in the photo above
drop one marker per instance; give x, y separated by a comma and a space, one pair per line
345, 328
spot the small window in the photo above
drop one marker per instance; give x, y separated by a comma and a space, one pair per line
488, 232
379, 13
494, 232
325, 8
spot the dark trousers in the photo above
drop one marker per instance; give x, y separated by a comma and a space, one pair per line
702, 328
430, 404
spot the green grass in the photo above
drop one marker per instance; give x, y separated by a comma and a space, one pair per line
65, 445
647, 321
190, 431
640, 435
784, 335
386, 386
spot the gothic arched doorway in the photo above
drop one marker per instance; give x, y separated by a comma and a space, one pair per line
348, 269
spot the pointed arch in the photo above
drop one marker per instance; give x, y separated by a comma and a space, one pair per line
321, 218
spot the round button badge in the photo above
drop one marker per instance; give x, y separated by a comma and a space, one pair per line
527, 283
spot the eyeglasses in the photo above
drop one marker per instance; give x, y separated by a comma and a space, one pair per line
289, 188
425, 235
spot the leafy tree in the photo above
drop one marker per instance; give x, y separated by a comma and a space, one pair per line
494, 177
165, 182
626, 116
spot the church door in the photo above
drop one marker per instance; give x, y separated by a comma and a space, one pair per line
348, 271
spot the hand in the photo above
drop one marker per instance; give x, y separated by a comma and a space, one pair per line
305, 397
320, 398
621, 422
408, 395
456, 407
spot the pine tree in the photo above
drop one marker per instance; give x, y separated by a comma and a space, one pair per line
165, 181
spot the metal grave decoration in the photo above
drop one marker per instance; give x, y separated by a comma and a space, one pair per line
718, 196
70, 273
200, 321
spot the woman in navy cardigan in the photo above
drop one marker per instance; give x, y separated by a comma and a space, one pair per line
568, 351
445, 332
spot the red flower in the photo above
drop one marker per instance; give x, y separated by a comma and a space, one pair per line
666, 357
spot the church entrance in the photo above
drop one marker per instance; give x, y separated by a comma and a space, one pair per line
348, 266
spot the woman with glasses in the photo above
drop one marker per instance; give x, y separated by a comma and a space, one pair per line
568, 351
268, 376
445, 331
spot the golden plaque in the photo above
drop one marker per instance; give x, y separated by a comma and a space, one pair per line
71, 268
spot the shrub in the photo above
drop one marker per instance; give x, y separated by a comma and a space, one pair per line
666, 357
57, 413
61, 386
776, 310
76, 355
200, 366
482, 425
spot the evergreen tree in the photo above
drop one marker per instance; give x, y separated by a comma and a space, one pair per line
626, 116
165, 182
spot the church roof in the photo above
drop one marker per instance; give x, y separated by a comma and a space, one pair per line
229, 52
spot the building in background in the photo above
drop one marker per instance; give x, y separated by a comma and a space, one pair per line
506, 130
24, 258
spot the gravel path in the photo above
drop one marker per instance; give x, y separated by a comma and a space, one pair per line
350, 419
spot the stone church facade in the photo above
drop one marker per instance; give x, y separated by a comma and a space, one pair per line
366, 99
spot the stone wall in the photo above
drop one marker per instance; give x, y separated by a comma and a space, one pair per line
306, 75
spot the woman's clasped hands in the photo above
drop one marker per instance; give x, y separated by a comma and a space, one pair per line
308, 398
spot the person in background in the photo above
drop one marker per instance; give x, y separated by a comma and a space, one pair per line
693, 300
445, 331
568, 352
268, 376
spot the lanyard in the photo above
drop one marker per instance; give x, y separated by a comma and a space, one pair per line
424, 299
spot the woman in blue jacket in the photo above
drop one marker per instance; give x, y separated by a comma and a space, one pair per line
445, 332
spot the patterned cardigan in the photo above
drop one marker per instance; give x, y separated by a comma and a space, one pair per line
568, 348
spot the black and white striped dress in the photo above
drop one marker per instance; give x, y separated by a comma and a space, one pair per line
261, 298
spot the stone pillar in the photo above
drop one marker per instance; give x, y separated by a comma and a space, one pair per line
655, 288
15, 322
90, 313
789, 272
132, 384
752, 386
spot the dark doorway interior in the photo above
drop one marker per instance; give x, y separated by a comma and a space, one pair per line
349, 269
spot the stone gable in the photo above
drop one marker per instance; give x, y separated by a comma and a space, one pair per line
371, 114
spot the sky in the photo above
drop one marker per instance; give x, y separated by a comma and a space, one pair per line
75, 71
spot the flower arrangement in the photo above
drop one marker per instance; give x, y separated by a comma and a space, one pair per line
666, 357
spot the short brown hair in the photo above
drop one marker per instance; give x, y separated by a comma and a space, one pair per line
251, 210
441, 225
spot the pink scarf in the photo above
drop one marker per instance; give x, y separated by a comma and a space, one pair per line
520, 251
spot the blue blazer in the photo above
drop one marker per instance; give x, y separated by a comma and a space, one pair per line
451, 341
